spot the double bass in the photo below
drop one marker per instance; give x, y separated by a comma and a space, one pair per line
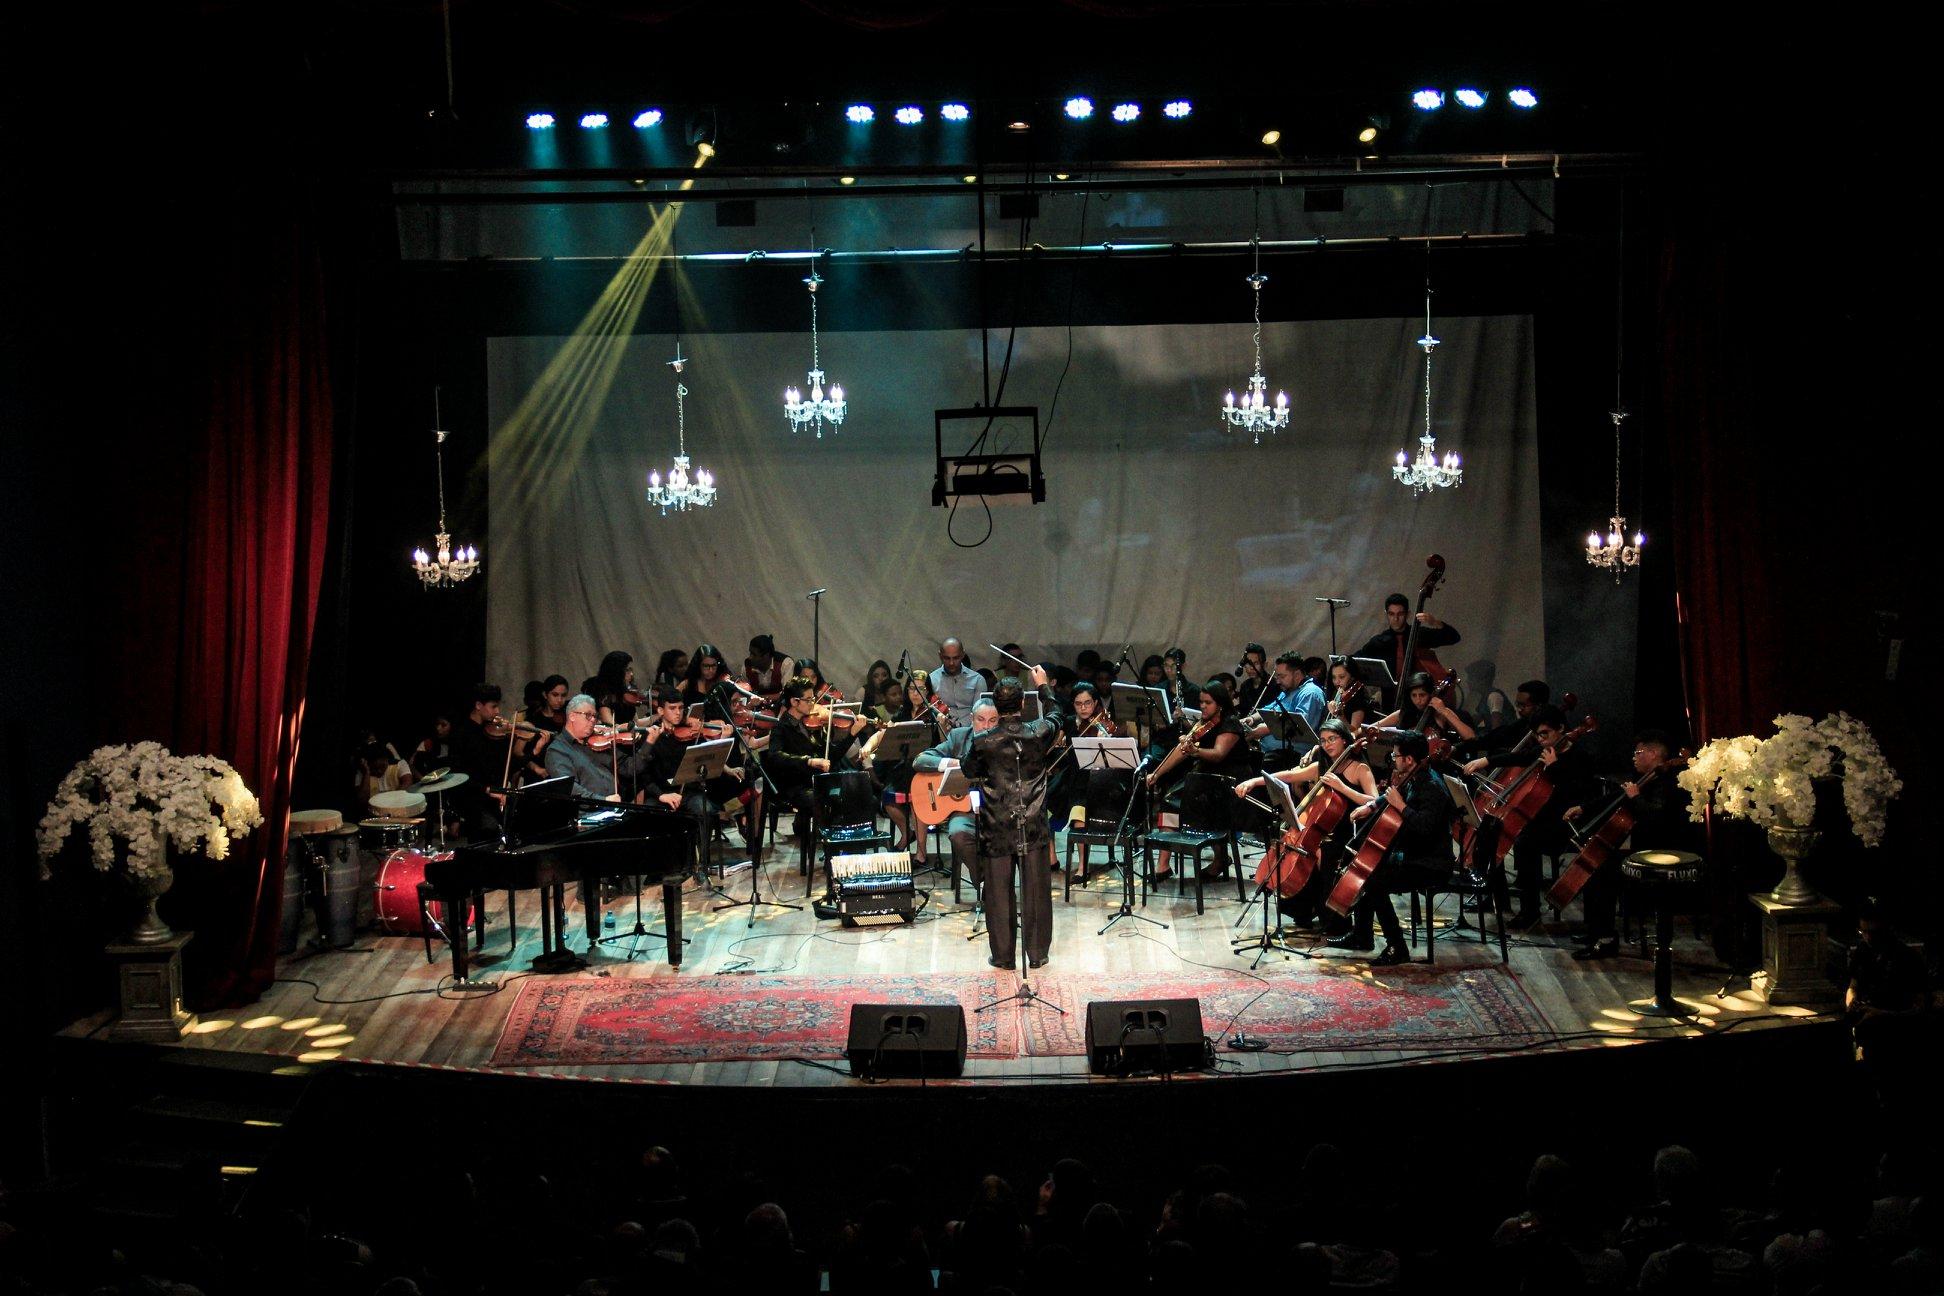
1424, 659
1519, 802
1291, 860
1599, 840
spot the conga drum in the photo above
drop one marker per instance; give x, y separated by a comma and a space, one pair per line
306, 862
1662, 873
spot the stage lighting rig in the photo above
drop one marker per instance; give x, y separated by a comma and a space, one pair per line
987, 470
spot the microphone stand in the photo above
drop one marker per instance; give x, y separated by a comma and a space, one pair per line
1126, 848
816, 624
755, 850
1334, 603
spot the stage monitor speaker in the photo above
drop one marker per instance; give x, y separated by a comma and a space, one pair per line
1130, 1036
923, 1040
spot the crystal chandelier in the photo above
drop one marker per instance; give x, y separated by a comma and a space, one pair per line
1427, 472
1612, 551
444, 565
1255, 414
821, 408
683, 490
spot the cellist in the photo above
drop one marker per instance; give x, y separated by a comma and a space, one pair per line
1354, 782
1574, 783
1420, 852
1659, 810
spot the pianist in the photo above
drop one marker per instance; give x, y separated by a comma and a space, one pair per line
593, 772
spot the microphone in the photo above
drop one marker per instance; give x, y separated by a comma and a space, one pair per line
813, 593
1333, 602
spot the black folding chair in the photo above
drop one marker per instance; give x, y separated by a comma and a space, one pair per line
846, 806
1105, 802
1207, 823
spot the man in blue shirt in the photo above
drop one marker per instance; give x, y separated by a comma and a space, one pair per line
956, 685
1298, 694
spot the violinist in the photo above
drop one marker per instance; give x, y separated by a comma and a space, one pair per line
1420, 853
1353, 781
795, 754
879, 690
1349, 699
707, 672
479, 745
1215, 744
1660, 815
1296, 694
896, 775
1422, 698
1387, 645
766, 670
612, 688
1087, 717
594, 773
725, 795
1253, 688
671, 669
1574, 783
1089, 714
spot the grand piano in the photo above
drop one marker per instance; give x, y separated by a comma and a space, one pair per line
553, 837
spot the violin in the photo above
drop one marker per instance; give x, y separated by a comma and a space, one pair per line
1289, 864
606, 737
1600, 839
1189, 741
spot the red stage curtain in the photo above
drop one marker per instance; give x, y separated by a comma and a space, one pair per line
251, 536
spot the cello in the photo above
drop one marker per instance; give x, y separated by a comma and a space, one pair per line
1291, 861
1371, 851
1600, 840
1520, 801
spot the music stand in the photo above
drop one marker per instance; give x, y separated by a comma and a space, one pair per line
903, 740
1138, 704
1288, 727
1375, 670
701, 762
1106, 753
956, 784
1271, 937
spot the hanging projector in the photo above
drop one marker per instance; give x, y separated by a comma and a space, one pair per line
1000, 459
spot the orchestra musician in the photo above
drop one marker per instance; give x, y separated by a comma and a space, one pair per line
1086, 717
879, 690
1418, 696
1296, 694
724, 795
1183, 696
612, 688
1253, 688
1354, 781
1349, 698
1526, 702
766, 670
895, 776
794, 753
1574, 783
479, 752
707, 672
1387, 645
1420, 853
1215, 744
1013, 761
1659, 809
569, 756
671, 669
954, 684
962, 830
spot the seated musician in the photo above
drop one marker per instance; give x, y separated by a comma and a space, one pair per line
1354, 781
1214, 745
1253, 687
895, 776
725, 795
548, 717
1388, 644
1349, 698
707, 672
1181, 690
962, 830
479, 743
1420, 853
1443, 719
766, 670
1296, 694
672, 669
794, 753
594, 773
1086, 717
1660, 815
1574, 783
1011, 758
1526, 701
612, 688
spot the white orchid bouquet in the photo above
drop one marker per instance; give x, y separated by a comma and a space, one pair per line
142, 798
1771, 781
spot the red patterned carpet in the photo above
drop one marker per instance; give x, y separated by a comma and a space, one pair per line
593, 1021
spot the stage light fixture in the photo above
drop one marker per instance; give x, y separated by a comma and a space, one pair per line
1272, 137
1368, 135
594, 121
1019, 126
1127, 112
955, 112
859, 114
540, 121
909, 115
1177, 109
647, 118
846, 180
1522, 97
1079, 107
971, 179
1468, 97
1063, 175
1428, 99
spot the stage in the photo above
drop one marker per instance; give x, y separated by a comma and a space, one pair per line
767, 1003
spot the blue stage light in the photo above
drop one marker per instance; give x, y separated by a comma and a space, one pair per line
955, 112
1469, 97
1177, 108
647, 118
540, 121
1428, 99
594, 121
1079, 107
1523, 98
909, 115
1127, 112
860, 113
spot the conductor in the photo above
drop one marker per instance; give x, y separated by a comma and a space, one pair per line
1012, 761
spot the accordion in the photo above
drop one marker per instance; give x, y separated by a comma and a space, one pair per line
873, 888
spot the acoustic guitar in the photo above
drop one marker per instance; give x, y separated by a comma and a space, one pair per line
931, 808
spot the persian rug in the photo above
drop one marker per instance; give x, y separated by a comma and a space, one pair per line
1402, 1008
605, 1020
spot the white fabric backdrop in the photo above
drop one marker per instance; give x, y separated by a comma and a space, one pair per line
1159, 527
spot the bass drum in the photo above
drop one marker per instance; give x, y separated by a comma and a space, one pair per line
397, 891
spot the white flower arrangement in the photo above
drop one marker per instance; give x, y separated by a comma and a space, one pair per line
144, 797
1771, 781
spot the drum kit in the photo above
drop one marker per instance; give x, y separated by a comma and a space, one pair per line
389, 857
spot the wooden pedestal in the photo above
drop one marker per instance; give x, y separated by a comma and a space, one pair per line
1794, 963
150, 983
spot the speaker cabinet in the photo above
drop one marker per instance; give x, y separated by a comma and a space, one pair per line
1132, 1036
910, 1040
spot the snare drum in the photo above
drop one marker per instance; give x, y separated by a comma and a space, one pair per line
397, 891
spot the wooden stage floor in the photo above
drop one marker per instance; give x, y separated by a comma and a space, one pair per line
382, 1002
